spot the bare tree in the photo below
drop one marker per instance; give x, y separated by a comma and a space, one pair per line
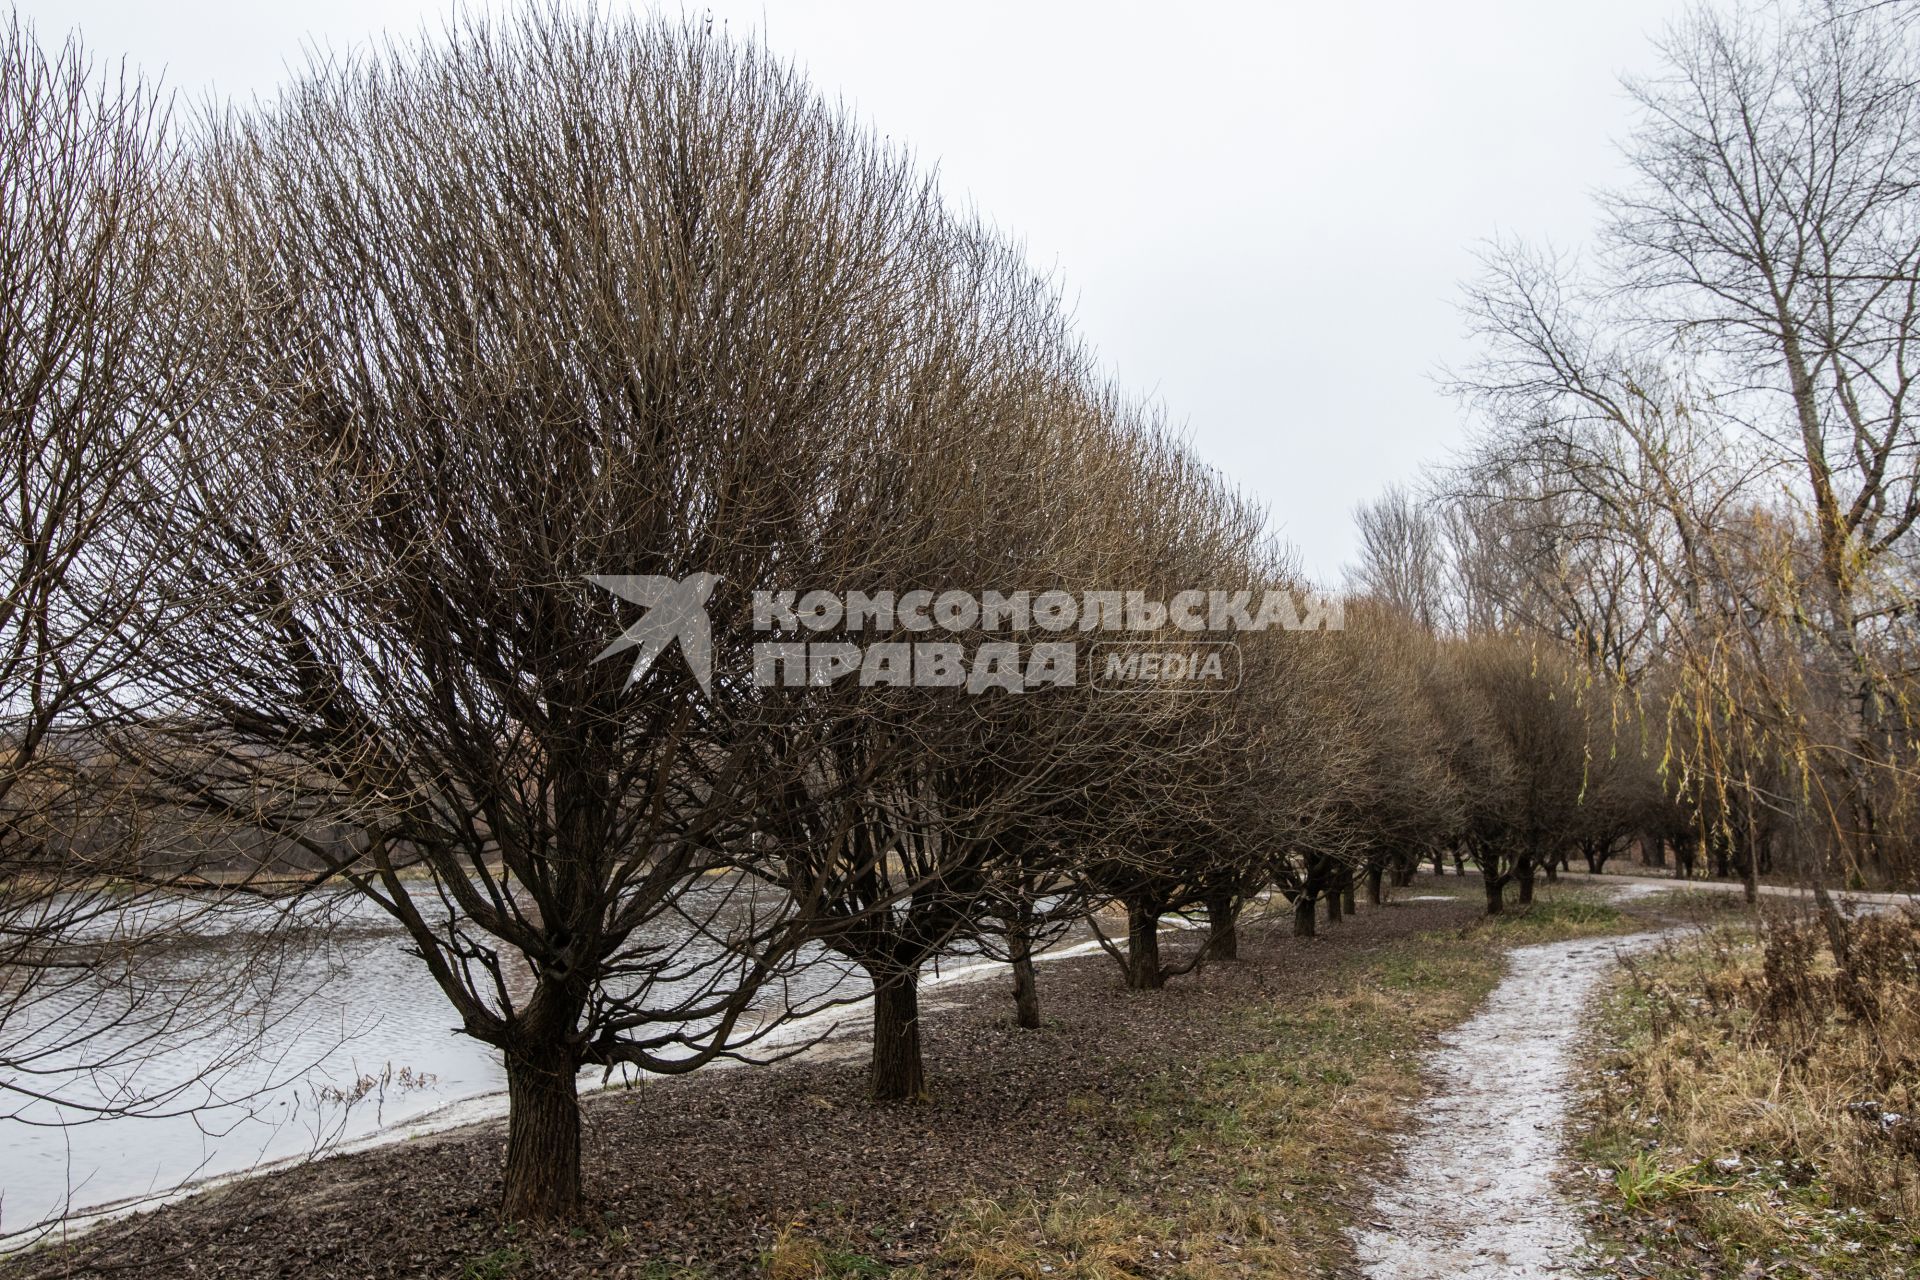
95, 881
1400, 556
544, 301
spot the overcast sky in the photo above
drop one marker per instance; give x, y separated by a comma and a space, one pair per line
1260, 213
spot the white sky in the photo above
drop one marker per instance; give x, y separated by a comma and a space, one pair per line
1260, 212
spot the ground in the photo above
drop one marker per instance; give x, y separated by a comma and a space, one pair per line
1741, 1123
1231, 1124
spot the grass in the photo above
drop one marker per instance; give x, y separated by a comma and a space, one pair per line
1745, 1123
658, 1270
796, 1255
1252, 1163
1643, 1183
500, 1264
1570, 913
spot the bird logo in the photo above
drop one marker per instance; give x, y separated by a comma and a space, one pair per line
675, 611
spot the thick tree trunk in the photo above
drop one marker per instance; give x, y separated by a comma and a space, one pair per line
1143, 950
1303, 915
898, 1074
1026, 999
1496, 894
1684, 854
1439, 862
1349, 899
1223, 931
1525, 896
543, 1136
1333, 904
1375, 892
1853, 996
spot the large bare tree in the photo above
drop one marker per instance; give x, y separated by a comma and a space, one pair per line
542, 302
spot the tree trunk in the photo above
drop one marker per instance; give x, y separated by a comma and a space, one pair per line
1223, 931
543, 1136
1333, 904
1525, 896
1143, 950
1375, 894
1303, 915
1349, 899
1439, 862
1853, 996
898, 1074
1026, 999
1496, 894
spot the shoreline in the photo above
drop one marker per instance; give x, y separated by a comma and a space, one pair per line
702, 1174
844, 1021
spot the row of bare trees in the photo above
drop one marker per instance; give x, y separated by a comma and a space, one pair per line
329, 420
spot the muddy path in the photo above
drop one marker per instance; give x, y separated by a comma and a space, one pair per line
1474, 1195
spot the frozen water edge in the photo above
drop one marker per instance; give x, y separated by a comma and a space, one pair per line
1475, 1196
842, 1030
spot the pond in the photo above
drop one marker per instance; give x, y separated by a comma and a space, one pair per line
286, 1040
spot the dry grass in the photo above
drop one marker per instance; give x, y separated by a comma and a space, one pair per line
1745, 1116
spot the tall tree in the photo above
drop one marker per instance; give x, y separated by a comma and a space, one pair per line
552, 317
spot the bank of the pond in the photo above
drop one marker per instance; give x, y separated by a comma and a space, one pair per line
1235, 1119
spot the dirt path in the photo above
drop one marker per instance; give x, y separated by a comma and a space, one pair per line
1474, 1199
1846, 897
